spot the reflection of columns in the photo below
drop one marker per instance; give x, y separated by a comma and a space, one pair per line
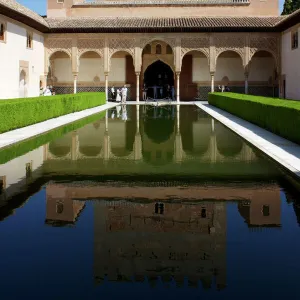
213, 148
46, 152
75, 82
178, 141
178, 118
137, 86
75, 146
246, 83
177, 85
106, 142
137, 118
106, 86
212, 125
212, 75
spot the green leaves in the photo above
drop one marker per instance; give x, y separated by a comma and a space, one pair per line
290, 6
17, 113
277, 115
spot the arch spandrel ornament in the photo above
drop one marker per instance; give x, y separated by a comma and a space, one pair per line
195, 44
231, 43
268, 44
116, 45
170, 41
57, 45
87, 45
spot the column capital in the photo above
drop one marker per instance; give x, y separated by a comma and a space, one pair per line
212, 73
177, 73
106, 73
137, 73
75, 74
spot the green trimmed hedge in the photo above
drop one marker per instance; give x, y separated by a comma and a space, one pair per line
17, 113
24, 147
279, 116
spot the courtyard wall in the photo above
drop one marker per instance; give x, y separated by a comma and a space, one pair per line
290, 60
22, 67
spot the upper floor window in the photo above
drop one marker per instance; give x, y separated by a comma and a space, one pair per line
29, 40
295, 40
2, 32
60, 1
158, 49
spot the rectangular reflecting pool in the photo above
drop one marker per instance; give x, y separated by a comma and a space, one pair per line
146, 202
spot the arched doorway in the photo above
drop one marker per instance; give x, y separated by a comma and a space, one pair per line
158, 75
22, 85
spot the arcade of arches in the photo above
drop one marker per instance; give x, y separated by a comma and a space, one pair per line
246, 63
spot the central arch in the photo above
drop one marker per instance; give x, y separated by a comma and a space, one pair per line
161, 75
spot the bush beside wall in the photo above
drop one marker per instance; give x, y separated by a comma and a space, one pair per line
17, 113
279, 116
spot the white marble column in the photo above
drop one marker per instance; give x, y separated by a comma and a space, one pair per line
246, 83
106, 86
212, 75
137, 86
45, 80
177, 86
75, 82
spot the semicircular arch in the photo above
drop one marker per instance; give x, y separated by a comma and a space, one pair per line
89, 50
202, 51
154, 60
58, 51
230, 50
272, 53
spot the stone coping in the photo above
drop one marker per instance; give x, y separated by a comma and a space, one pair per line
283, 151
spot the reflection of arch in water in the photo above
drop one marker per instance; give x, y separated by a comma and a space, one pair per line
90, 151
59, 150
161, 128
228, 143
157, 158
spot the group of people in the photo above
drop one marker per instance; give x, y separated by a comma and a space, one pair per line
121, 111
119, 95
48, 91
159, 92
223, 88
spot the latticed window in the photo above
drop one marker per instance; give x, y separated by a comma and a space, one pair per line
29, 40
295, 40
2, 32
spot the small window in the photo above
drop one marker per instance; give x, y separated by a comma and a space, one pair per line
266, 210
158, 49
295, 40
203, 213
169, 49
147, 49
60, 1
59, 207
159, 208
2, 32
29, 40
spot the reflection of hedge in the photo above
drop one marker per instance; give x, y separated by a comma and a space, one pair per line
279, 116
22, 148
16, 113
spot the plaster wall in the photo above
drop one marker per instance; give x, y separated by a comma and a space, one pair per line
14, 50
255, 7
15, 170
290, 62
261, 68
89, 68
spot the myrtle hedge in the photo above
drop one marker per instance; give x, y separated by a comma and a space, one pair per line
17, 113
279, 116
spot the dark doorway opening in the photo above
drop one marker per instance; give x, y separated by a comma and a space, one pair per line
159, 80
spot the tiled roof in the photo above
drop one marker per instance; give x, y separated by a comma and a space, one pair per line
128, 24
17, 9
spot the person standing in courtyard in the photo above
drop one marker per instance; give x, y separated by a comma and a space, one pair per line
173, 93
144, 92
113, 93
124, 94
118, 98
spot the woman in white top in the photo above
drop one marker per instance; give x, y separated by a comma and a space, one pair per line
118, 99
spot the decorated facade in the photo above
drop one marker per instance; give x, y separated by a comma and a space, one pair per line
194, 45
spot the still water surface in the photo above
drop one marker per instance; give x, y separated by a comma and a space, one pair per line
146, 203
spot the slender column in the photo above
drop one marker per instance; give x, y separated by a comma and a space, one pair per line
213, 125
137, 86
246, 83
106, 121
212, 75
106, 86
45, 80
75, 82
177, 86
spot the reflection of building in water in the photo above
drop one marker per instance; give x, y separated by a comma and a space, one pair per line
64, 210
264, 209
141, 236
167, 134
134, 240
